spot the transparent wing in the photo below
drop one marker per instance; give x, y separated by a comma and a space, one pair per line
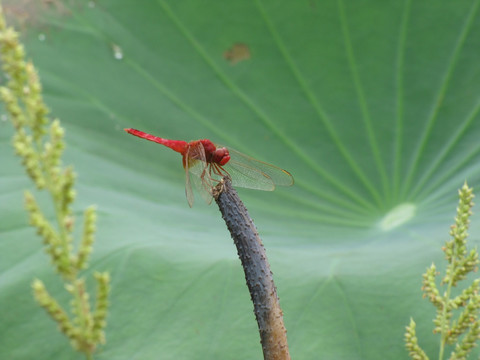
196, 165
249, 173
188, 185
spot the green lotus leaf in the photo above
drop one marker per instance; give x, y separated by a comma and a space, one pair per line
373, 106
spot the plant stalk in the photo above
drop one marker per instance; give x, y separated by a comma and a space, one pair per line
258, 275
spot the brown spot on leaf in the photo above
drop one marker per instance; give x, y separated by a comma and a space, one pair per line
238, 52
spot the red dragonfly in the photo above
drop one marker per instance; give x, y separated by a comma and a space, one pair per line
209, 163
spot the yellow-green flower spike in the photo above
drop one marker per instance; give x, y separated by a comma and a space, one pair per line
51, 239
66, 192
89, 228
11, 103
53, 308
53, 150
34, 104
464, 329
411, 343
13, 56
101, 306
429, 287
462, 350
459, 263
23, 146
40, 144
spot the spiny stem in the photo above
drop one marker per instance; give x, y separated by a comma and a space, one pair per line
268, 312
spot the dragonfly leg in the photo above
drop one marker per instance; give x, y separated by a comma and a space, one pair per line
218, 170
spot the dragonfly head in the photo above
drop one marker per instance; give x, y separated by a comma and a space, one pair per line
214, 154
221, 156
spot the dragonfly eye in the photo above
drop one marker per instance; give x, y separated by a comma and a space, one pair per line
222, 156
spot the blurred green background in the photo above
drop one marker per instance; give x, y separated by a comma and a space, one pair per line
369, 104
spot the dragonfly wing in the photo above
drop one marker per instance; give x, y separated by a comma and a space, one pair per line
202, 185
198, 169
247, 172
188, 184
245, 176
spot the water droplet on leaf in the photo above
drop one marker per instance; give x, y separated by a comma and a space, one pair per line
117, 52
